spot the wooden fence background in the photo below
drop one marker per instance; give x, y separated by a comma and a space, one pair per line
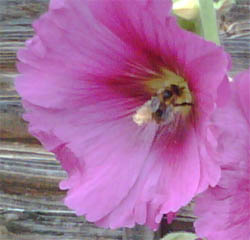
30, 201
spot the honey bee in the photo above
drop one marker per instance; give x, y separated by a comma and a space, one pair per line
164, 105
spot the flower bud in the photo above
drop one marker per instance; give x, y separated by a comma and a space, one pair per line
187, 9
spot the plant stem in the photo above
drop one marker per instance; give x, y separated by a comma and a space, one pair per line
208, 21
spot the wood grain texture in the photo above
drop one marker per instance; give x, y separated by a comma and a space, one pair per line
30, 202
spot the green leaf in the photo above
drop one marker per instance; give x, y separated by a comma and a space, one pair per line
180, 236
208, 21
187, 24
186, 9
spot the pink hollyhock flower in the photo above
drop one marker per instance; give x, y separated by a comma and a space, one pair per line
122, 96
224, 211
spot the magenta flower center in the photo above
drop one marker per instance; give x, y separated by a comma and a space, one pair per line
171, 99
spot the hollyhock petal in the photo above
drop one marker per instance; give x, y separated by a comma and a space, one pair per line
96, 160
155, 173
178, 167
210, 170
243, 87
196, 65
46, 86
100, 177
224, 93
85, 75
223, 210
132, 24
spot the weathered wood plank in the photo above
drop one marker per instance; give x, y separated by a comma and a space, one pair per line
234, 28
15, 27
30, 166
19, 225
